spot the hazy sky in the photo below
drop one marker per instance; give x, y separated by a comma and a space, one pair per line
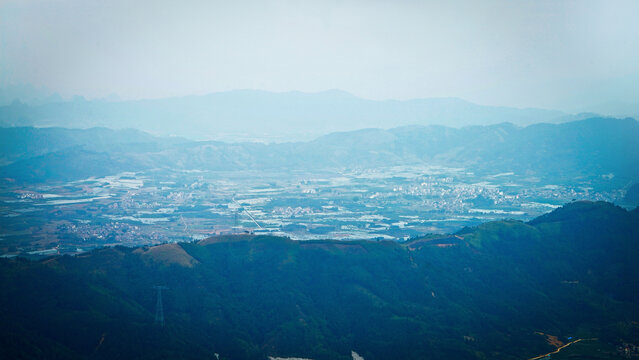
558, 54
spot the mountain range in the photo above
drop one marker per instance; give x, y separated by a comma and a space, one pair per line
251, 114
603, 148
502, 290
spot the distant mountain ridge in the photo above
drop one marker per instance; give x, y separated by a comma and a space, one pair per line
586, 148
25, 142
243, 114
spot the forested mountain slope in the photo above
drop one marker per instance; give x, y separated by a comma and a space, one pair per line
481, 293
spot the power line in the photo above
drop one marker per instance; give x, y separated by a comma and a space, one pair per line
247, 213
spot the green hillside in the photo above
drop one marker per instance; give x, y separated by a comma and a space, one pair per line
480, 294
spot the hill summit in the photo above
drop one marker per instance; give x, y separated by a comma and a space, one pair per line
482, 293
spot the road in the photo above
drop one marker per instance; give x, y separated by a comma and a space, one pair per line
560, 348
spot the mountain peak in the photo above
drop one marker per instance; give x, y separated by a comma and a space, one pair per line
582, 211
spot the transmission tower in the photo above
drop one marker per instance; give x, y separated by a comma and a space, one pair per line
159, 309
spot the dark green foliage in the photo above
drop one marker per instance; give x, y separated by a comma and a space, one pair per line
632, 195
569, 273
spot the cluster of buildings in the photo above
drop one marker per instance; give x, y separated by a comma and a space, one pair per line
628, 350
176, 206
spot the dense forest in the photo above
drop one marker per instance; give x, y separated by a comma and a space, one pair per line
488, 292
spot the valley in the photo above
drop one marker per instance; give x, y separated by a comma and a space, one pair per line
319, 180
157, 206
